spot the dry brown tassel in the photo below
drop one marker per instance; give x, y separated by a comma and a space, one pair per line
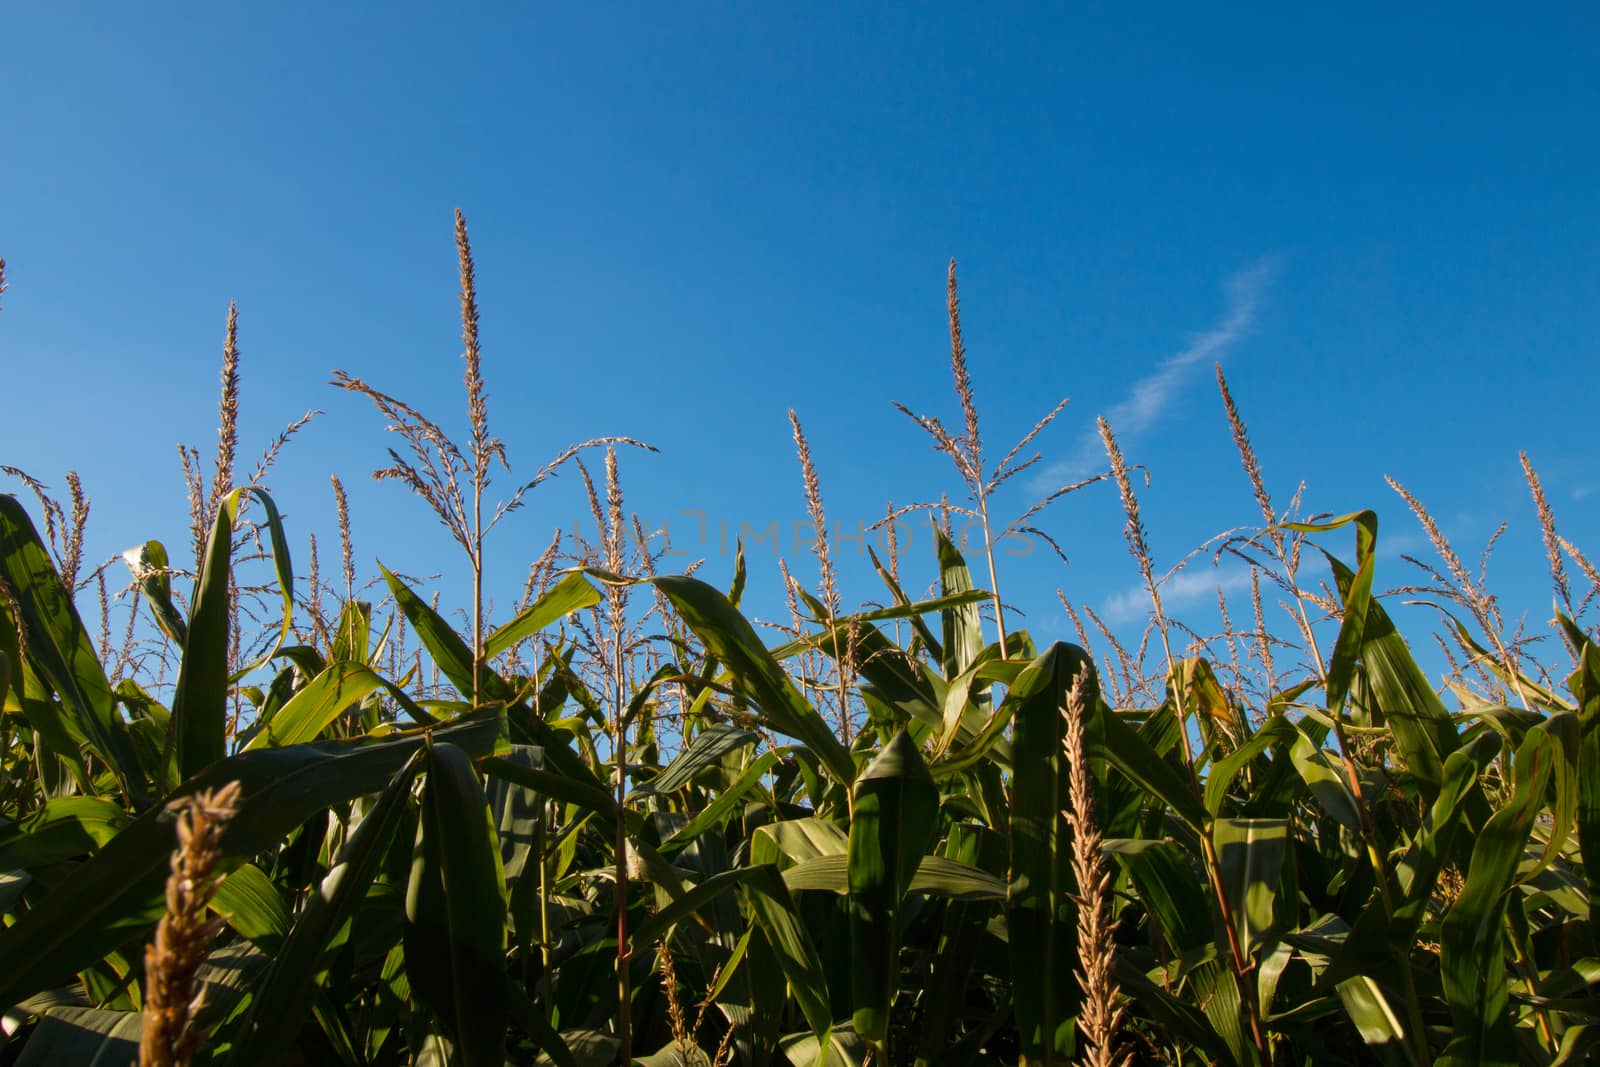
184, 935
1101, 1015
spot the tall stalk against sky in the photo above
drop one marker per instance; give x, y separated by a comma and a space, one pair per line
437, 466
1138, 547
965, 450
450, 479
483, 446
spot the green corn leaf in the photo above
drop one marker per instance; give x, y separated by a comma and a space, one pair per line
444, 645
1584, 683
910, 610
586, 791
894, 681
733, 641
352, 636
1382, 1029
66, 827
1274, 731
1123, 747
318, 703
1250, 855
958, 703
456, 911
61, 650
705, 751
896, 814
1423, 730
1357, 593
58, 736
1039, 916
248, 901
1218, 994
897, 593
285, 993
1324, 777
690, 903
963, 626
151, 570
84, 1037
936, 876
572, 593
797, 840
1178, 1016
282, 569
1473, 938
729, 799
791, 943
118, 892
1170, 887
1375, 938
843, 1047
200, 702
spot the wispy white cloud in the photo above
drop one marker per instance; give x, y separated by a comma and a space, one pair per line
1150, 396
1582, 491
1187, 588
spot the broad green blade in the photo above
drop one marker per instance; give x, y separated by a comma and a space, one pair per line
83, 1037
1275, 731
936, 876
352, 637
60, 647
455, 933
1473, 939
780, 925
1123, 747
200, 702
248, 901
731, 639
1040, 918
118, 893
65, 828
704, 752
797, 840
318, 703
963, 626
690, 903
896, 815
1251, 853
284, 995
448, 649
721, 809
572, 593
1357, 593
149, 566
1584, 684
1325, 778
1423, 730
1382, 1030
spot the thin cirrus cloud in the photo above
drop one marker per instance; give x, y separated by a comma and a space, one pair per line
1150, 396
1187, 588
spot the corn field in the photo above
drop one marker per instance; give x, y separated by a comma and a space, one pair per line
253, 814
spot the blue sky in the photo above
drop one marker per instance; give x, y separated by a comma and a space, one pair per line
1383, 223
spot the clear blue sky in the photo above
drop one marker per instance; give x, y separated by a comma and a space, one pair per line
1384, 223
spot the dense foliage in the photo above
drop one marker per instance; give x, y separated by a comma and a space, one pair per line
861, 843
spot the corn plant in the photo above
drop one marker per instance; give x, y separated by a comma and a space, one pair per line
900, 834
